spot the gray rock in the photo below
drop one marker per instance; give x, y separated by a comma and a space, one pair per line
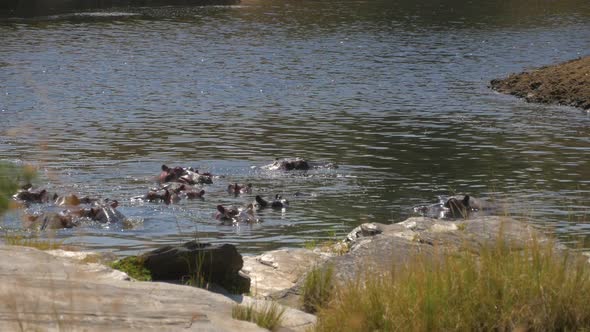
292, 320
275, 272
219, 264
373, 247
41, 292
396, 243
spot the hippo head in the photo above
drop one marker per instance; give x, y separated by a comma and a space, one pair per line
220, 209
458, 208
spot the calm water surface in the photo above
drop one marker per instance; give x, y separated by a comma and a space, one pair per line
394, 92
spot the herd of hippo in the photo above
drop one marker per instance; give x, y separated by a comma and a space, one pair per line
177, 183
174, 184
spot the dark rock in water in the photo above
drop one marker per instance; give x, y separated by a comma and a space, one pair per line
219, 264
297, 164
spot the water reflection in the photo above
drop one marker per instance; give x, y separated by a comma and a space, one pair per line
396, 93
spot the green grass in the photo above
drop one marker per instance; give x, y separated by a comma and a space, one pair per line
134, 268
500, 289
33, 242
317, 288
268, 317
10, 178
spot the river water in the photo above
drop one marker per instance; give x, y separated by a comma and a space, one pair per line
394, 92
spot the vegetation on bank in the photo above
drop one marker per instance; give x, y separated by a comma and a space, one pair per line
536, 288
269, 316
134, 268
33, 242
317, 288
11, 177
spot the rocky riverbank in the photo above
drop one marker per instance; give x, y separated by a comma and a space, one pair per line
49, 291
566, 83
373, 247
60, 290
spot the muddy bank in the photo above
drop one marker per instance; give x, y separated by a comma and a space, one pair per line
566, 83
28, 8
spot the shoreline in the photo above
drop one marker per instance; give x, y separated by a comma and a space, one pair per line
566, 83
33, 8
83, 283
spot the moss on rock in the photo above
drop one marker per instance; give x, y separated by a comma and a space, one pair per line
134, 267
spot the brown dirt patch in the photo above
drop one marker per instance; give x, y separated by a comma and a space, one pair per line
566, 83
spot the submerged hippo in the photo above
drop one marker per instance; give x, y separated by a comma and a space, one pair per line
170, 194
248, 214
185, 175
237, 189
104, 213
235, 215
161, 195
299, 164
455, 207
27, 195
75, 214
52, 220
189, 192
226, 214
278, 203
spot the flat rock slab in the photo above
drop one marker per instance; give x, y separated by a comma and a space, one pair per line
39, 291
293, 319
275, 272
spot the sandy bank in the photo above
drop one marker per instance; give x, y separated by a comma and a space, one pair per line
566, 83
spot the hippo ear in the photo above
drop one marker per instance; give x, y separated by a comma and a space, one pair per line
466, 200
220, 208
165, 168
261, 201
202, 192
114, 204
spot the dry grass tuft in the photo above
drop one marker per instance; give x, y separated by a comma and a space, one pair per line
536, 288
268, 317
317, 288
